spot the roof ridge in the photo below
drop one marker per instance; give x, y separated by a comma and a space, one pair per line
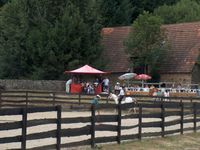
172, 24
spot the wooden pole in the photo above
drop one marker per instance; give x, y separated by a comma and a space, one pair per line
163, 119
26, 99
119, 124
24, 128
53, 98
195, 116
140, 123
79, 98
93, 120
182, 115
0, 99
107, 100
58, 134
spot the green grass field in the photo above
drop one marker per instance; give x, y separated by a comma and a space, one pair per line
190, 141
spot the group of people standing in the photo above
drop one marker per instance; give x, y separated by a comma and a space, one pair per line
87, 86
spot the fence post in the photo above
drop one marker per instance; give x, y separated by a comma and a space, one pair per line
0, 99
53, 98
119, 124
93, 119
58, 134
79, 98
26, 99
163, 119
140, 123
107, 100
195, 116
24, 128
182, 115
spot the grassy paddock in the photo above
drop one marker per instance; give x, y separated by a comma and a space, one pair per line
190, 141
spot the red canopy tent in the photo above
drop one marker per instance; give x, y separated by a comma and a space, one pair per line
86, 70
77, 88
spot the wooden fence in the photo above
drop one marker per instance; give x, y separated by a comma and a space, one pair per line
165, 118
24, 124
45, 98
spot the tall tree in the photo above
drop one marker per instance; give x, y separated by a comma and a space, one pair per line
13, 31
116, 12
90, 49
183, 11
2, 2
42, 38
148, 5
146, 42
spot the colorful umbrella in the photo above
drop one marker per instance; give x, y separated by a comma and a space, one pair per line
127, 76
142, 77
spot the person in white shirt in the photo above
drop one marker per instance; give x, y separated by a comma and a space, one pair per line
146, 88
67, 85
117, 88
121, 94
106, 84
166, 94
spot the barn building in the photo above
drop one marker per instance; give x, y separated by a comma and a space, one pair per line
181, 59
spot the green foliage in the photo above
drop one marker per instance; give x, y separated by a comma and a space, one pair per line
124, 12
148, 5
42, 38
13, 31
146, 43
2, 2
116, 12
183, 11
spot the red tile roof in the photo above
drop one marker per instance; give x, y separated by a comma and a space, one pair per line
184, 39
114, 50
181, 57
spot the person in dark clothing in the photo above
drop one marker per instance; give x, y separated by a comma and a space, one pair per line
95, 102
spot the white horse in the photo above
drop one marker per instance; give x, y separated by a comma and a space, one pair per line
124, 100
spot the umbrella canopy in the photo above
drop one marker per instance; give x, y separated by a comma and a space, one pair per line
127, 76
85, 70
142, 77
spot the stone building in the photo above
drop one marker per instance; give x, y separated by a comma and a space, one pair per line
181, 59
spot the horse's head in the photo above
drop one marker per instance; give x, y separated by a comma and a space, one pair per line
110, 96
98, 96
114, 97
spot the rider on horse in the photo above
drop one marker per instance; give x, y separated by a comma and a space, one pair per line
121, 94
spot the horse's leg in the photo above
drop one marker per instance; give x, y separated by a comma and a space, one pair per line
134, 110
129, 111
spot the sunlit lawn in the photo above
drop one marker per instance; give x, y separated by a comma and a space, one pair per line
179, 142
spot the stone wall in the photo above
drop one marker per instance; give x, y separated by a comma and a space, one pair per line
47, 85
177, 78
196, 74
